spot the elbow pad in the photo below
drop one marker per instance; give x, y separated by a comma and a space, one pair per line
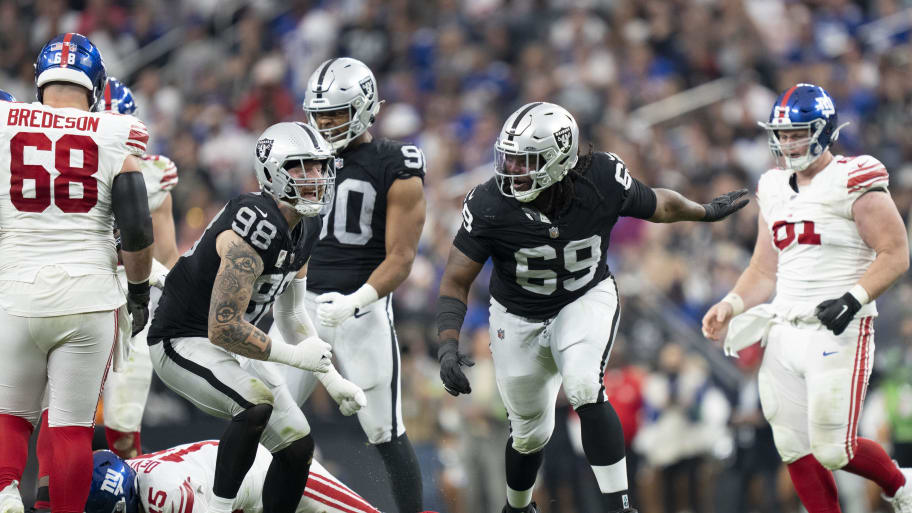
131, 211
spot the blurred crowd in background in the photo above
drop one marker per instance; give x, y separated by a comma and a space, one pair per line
674, 87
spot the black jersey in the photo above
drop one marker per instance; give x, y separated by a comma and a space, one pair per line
184, 307
539, 265
353, 240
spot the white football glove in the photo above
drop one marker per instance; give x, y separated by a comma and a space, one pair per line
348, 395
310, 354
335, 308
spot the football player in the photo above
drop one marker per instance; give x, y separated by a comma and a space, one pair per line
6, 97
829, 241
179, 480
367, 245
204, 342
545, 219
67, 175
125, 391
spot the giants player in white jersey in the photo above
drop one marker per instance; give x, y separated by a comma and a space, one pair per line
829, 241
66, 174
126, 390
179, 480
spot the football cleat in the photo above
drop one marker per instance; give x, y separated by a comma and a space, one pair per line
902, 499
10, 500
531, 508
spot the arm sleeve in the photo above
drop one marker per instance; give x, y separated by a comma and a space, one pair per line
131, 211
290, 314
639, 201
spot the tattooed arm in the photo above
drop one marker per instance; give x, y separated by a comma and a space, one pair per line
231, 291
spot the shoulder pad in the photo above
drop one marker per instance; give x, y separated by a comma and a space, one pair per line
862, 173
402, 160
136, 135
256, 221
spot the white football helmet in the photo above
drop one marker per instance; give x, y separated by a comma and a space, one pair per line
536, 148
342, 83
284, 146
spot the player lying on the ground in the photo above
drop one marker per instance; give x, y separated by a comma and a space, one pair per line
829, 241
179, 480
545, 219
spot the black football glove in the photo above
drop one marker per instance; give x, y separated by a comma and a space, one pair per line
451, 362
138, 304
725, 205
836, 314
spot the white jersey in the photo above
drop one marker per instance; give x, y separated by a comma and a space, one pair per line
57, 167
179, 480
821, 254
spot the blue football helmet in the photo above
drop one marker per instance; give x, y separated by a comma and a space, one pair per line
804, 107
72, 58
116, 98
6, 97
113, 487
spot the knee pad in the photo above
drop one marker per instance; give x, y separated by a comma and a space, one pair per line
531, 444
832, 456
297, 452
257, 416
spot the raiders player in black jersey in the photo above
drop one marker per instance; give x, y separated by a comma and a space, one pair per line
253, 255
366, 249
545, 220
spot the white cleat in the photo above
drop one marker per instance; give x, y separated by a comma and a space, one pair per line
901, 500
10, 500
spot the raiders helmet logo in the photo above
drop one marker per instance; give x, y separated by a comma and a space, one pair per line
263, 147
367, 86
564, 138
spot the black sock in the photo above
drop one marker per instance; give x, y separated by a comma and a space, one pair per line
404, 473
522, 468
603, 436
237, 449
287, 476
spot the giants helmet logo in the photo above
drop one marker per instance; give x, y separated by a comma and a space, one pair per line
564, 138
263, 147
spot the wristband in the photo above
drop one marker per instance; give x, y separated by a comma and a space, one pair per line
281, 352
736, 303
451, 313
138, 287
860, 294
364, 296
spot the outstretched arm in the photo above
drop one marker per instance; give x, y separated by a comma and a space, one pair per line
672, 206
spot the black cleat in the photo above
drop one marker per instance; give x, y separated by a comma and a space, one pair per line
531, 508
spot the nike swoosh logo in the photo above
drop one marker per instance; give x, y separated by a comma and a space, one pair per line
844, 308
360, 313
828, 353
260, 211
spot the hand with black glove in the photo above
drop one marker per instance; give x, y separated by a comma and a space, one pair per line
725, 205
836, 314
451, 362
138, 304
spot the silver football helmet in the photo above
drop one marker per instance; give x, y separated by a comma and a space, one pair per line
536, 148
284, 146
342, 83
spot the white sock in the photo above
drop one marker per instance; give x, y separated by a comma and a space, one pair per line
611, 478
519, 499
220, 504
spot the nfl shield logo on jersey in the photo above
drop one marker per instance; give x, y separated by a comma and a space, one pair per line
500, 333
564, 139
263, 147
338, 162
